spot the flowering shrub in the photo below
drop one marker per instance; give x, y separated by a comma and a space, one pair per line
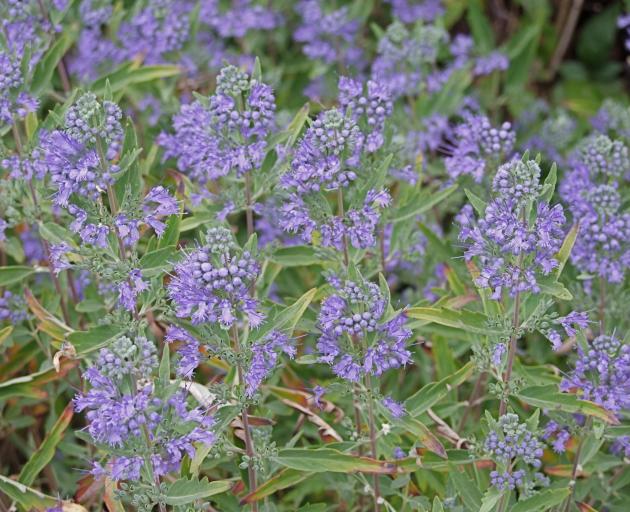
314, 255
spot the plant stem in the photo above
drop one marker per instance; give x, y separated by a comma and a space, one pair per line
341, 214
249, 445
505, 499
576, 464
507, 376
476, 392
113, 207
249, 214
371, 422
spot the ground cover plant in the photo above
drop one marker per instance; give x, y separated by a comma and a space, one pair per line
314, 255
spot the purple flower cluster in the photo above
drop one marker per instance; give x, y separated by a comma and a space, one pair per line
241, 17
212, 283
370, 109
602, 373
510, 443
591, 189
188, 351
227, 132
475, 144
559, 436
264, 358
571, 323
27, 33
411, 11
129, 290
125, 412
78, 158
612, 119
396, 409
329, 36
126, 421
513, 249
12, 308
349, 319
327, 156
403, 56
358, 226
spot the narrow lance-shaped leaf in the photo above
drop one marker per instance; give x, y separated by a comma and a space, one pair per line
182, 492
44, 454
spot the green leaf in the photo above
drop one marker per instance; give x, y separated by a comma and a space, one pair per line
548, 397
469, 321
257, 72
97, 337
420, 203
555, 289
14, 274
544, 500
170, 237
89, 306
482, 31
44, 454
164, 373
282, 480
550, 184
45, 68
291, 134
295, 256
489, 500
30, 499
467, 490
5, 332
287, 318
422, 432
128, 74
321, 460
432, 393
565, 249
155, 262
437, 505
54, 233
182, 492
477, 203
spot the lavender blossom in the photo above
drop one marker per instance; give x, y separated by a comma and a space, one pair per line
511, 444
514, 251
227, 132
188, 351
212, 284
475, 144
602, 373
346, 318
264, 358
328, 36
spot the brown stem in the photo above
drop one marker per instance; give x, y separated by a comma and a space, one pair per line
249, 214
476, 393
249, 445
341, 214
576, 465
565, 37
507, 376
63, 75
372, 426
